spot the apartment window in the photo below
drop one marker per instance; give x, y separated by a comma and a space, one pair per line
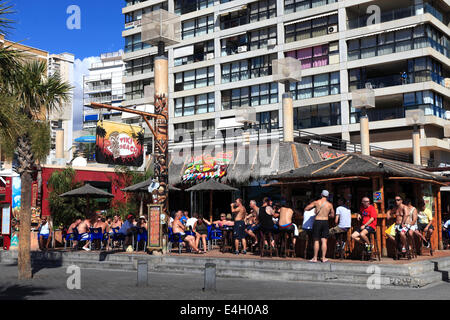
135, 90
299, 5
186, 6
139, 66
250, 96
189, 106
268, 120
197, 27
137, 15
255, 11
317, 56
322, 115
134, 43
194, 53
430, 102
259, 38
190, 129
311, 28
194, 79
316, 86
246, 69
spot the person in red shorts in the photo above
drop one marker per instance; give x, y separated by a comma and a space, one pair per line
368, 213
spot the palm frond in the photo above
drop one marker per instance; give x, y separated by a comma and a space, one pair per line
6, 9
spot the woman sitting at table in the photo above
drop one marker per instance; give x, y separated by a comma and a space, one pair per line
201, 231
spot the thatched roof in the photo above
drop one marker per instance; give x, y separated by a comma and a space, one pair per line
211, 185
353, 164
143, 187
87, 191
253, 163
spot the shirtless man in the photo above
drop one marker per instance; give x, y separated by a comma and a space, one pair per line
239, 225
400, 212
72, 227
178, 232
252, 222
116, 223
285, 222
223, 222
324, 211
83, 230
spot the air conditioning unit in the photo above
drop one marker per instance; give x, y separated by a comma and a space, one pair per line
242, 49
272, 42
332, 29
447, 82
210, 56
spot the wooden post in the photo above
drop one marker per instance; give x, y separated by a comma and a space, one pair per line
383, 221
210, 206
377, 208
439, 219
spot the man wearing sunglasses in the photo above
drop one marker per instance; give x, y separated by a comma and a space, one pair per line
368, 214
400, 212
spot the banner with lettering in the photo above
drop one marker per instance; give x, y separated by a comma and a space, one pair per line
119, 144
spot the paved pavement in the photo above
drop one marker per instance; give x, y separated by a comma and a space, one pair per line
50, 283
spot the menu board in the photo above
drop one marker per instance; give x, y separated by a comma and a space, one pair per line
154, 226
6, 220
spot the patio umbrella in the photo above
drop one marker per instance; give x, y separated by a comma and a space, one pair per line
143, 187
89, 192
212, 185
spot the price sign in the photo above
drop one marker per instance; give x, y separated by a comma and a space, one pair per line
154, 227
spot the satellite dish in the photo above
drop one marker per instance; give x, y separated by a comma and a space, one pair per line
153, 186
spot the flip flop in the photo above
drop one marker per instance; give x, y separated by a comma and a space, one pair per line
312, 261
325, 261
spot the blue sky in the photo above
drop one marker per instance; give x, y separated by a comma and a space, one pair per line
43, 24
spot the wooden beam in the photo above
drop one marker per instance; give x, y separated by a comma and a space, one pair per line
342, 164
328, 165
94, 105
417, 179
383, 221
295, 156
439, 220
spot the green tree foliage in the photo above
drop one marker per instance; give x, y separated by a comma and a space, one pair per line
64, 210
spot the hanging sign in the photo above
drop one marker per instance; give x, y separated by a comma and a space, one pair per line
206, 167
154, 227
119, 144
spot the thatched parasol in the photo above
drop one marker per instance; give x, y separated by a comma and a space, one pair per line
89, 192
211, 186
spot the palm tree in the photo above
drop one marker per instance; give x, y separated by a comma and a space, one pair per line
37, 95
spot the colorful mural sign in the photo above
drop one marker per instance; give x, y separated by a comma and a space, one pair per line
154, 229
207, 167
329, 155
16, 196
119, 144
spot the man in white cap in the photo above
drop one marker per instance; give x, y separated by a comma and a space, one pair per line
324, 211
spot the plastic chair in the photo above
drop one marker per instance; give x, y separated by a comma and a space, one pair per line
172, 241
141, 236
116, 236
71, 237
214, 234
94, 235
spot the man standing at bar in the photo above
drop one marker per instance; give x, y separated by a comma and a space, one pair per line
324, 211
368, 213
239, 225
400, 212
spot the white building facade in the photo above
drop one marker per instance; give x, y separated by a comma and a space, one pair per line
224, 62
103, 85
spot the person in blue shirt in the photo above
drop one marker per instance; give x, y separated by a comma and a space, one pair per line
128, 229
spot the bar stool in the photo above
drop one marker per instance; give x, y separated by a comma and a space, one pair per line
286, 239
308, 238
266, 236
341, 244
398, 244
227, 240
421, 248
375, 250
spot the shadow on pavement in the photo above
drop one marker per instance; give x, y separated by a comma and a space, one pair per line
443, 272
21, 292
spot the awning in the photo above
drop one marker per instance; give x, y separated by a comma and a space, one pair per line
312, 18
229, 123
383, 31
232, 9
86, 139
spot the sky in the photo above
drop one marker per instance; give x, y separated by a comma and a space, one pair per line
43, 24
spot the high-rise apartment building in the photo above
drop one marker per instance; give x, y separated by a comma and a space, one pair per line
224, 62
62, 119
104, 85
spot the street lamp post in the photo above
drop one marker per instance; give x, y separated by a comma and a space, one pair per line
161, 28
364, 99
285, 71
415, 118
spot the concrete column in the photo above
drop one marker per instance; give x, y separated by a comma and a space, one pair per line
365, 141
142, 273
210, 277
416, 146
288, 117
161, 76
59, 144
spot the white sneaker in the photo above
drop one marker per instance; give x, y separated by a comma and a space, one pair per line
86, 249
